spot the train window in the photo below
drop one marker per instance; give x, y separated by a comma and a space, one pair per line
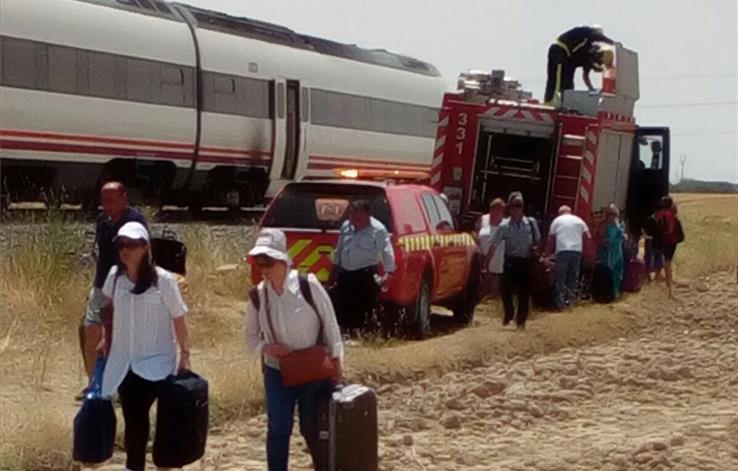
171, 75
62, 69
19, 62
102, 74
252, 96
172, 85
138, 80
225, 85
355, 111
377, 115
131, 3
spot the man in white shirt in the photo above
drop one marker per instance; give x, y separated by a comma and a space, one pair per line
494, 259
568, 232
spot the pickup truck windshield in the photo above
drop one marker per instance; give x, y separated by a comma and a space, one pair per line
324, 206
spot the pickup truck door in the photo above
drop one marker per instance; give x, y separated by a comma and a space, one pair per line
455, 250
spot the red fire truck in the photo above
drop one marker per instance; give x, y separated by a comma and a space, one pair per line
493, 139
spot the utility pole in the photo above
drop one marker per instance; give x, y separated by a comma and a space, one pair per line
682, 161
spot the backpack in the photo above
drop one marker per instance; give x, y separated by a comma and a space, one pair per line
304, 289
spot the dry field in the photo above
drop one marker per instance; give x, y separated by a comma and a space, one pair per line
645, 383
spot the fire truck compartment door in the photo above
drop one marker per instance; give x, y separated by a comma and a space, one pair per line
521, 127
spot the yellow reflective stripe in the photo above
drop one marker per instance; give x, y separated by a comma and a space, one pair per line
297, 247
580, 45
563, 46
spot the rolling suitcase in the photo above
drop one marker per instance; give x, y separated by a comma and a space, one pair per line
94, 424
635, 275
348, 436
181, 420
602, 284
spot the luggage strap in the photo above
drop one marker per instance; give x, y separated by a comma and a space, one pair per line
306, 292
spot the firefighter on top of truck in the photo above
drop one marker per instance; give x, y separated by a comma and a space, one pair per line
575, 48
363, 244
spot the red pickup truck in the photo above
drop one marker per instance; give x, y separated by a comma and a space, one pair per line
436, 263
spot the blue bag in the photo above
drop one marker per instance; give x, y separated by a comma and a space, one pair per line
94, 424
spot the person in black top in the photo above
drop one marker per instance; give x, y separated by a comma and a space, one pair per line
574, 49
116, 212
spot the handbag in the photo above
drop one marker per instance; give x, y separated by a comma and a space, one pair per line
310, 364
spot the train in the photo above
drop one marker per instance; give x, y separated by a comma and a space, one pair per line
193, 107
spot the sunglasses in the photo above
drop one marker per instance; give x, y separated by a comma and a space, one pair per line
129, 244
264, 262
516, 205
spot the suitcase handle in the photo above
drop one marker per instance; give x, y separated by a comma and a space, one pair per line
95, 390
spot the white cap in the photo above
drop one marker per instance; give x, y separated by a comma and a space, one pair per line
133, 231
272, 243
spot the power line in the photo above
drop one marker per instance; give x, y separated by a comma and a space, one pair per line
689, 105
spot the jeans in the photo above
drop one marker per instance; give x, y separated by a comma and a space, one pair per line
516, 279
280, 405
567, 273
136, 397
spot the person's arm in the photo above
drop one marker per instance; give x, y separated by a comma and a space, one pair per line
172, 298
331, 330
183, 339
254, 342
585, 77
550, 244
388, 253
600, 38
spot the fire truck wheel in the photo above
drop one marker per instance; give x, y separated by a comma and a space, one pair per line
467, 300
419, 312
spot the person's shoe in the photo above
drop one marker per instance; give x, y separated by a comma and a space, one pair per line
505, 323
521, 326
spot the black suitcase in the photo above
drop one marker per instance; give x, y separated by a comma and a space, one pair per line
602, 284
181, 420
348, 436
94, 424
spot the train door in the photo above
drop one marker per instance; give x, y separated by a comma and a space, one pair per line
287, 134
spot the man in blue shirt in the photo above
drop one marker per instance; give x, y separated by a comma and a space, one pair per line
521, 237
116, 212
363, 244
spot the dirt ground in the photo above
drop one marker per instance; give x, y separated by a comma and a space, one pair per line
662, 394
647, 382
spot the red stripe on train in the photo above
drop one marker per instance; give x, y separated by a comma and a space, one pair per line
120, 151
124, 141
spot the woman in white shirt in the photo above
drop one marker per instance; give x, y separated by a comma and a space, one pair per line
148, 311
493, 267
284, 322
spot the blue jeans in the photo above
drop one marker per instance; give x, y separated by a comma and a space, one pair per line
280, 405
567, 273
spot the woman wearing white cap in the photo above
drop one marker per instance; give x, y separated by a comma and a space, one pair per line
289, 315
148, 312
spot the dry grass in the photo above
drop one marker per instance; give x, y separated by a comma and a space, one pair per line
43, 289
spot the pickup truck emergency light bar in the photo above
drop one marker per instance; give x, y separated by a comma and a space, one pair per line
369, 174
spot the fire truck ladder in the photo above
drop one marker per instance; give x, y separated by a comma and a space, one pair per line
567, 170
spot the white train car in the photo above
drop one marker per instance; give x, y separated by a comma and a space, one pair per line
197, 107
89, 92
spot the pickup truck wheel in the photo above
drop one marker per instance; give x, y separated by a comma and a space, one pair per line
419, 313
467, 301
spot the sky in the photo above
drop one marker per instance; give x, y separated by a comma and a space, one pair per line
688, 53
